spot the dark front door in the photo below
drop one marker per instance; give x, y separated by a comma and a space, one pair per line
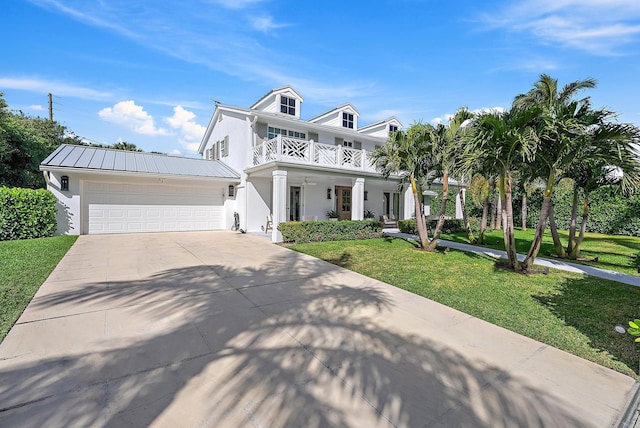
294, 203
344, 202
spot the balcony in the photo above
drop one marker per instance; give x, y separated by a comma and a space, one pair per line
285, 149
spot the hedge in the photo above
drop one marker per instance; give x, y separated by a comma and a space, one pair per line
318, 231
410, 226
26, 213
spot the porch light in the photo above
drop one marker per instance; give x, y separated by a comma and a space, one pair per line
328, 193
366, 195
232, 191
64, 182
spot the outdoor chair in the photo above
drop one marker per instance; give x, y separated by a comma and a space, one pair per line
269, 225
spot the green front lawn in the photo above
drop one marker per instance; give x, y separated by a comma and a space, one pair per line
24, 265
614, 252
569, 311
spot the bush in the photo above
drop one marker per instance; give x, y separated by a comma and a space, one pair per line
318, 231
26, 213
411, 227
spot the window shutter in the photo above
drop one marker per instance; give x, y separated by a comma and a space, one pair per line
226, 146
339, 141
313, 136
357, 145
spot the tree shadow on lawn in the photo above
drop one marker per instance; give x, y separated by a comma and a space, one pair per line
576, 302
222, 346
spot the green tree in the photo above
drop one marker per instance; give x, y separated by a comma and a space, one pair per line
123, 145
502, 142
409, 154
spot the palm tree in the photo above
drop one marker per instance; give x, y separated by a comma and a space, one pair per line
409, 154
502, 142
558, 129
448, 148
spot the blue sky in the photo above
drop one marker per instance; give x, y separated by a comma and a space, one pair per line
147, 71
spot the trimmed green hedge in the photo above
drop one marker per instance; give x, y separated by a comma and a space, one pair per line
318, 231
26, 213
410, 226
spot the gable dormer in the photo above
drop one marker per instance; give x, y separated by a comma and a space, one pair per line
285, 101
344, 116
382, 128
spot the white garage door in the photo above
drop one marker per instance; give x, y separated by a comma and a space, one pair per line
129, 208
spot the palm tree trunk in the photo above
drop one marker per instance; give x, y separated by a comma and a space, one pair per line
499, 216
483, 222
443, 210
507, 217
420, 220
524, 211
465, 217
494, 211
542, 223
583, 228
554, 234
574, 217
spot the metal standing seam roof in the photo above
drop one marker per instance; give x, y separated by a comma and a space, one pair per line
101, 159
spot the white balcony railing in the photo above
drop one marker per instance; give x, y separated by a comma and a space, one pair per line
311, 153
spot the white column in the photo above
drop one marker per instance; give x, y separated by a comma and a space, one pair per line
279, 204
409, 204
357, 199
458, 204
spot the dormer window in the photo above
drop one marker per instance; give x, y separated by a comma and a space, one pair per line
287, 105
347, 120
393, 128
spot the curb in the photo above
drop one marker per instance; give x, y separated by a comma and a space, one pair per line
630, 415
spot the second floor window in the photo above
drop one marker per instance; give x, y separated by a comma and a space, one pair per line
273, 132
393, 128
347, 120
287, 105
347, 143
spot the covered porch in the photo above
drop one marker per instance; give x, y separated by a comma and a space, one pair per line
279, 194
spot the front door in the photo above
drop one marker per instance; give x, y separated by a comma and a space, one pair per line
344, 202
294, 203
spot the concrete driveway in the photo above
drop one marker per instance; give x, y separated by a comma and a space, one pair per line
223, 329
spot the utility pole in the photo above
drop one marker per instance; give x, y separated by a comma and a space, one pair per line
50, 107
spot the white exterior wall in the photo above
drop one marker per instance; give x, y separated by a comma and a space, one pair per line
68, 204
258, 203
238, 128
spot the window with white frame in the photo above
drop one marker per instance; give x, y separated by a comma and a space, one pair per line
287, 105
273, 132
347, 120
347, 143
393, 128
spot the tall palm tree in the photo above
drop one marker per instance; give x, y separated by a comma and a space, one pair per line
449, 148
410, 155
502, 142
558, 129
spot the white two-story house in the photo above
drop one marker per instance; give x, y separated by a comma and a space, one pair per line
296, 170
263, 165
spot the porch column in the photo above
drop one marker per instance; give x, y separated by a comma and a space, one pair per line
357, 200
409, 204
279, 204
458, 204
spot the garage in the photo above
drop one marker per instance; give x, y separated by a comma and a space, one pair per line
103, 191
130, 208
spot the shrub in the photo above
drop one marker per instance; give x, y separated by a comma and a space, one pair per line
26, 213
452, 225
318, 231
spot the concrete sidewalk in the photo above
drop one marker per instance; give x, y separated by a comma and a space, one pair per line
540, 261
224, 329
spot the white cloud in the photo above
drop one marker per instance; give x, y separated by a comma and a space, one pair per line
56, 88
36, 107
132, 116
175, 152
190, 132
265, 24
601, 27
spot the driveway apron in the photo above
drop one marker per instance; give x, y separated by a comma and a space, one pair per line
225, 329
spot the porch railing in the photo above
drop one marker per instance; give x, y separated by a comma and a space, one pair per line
310, 152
